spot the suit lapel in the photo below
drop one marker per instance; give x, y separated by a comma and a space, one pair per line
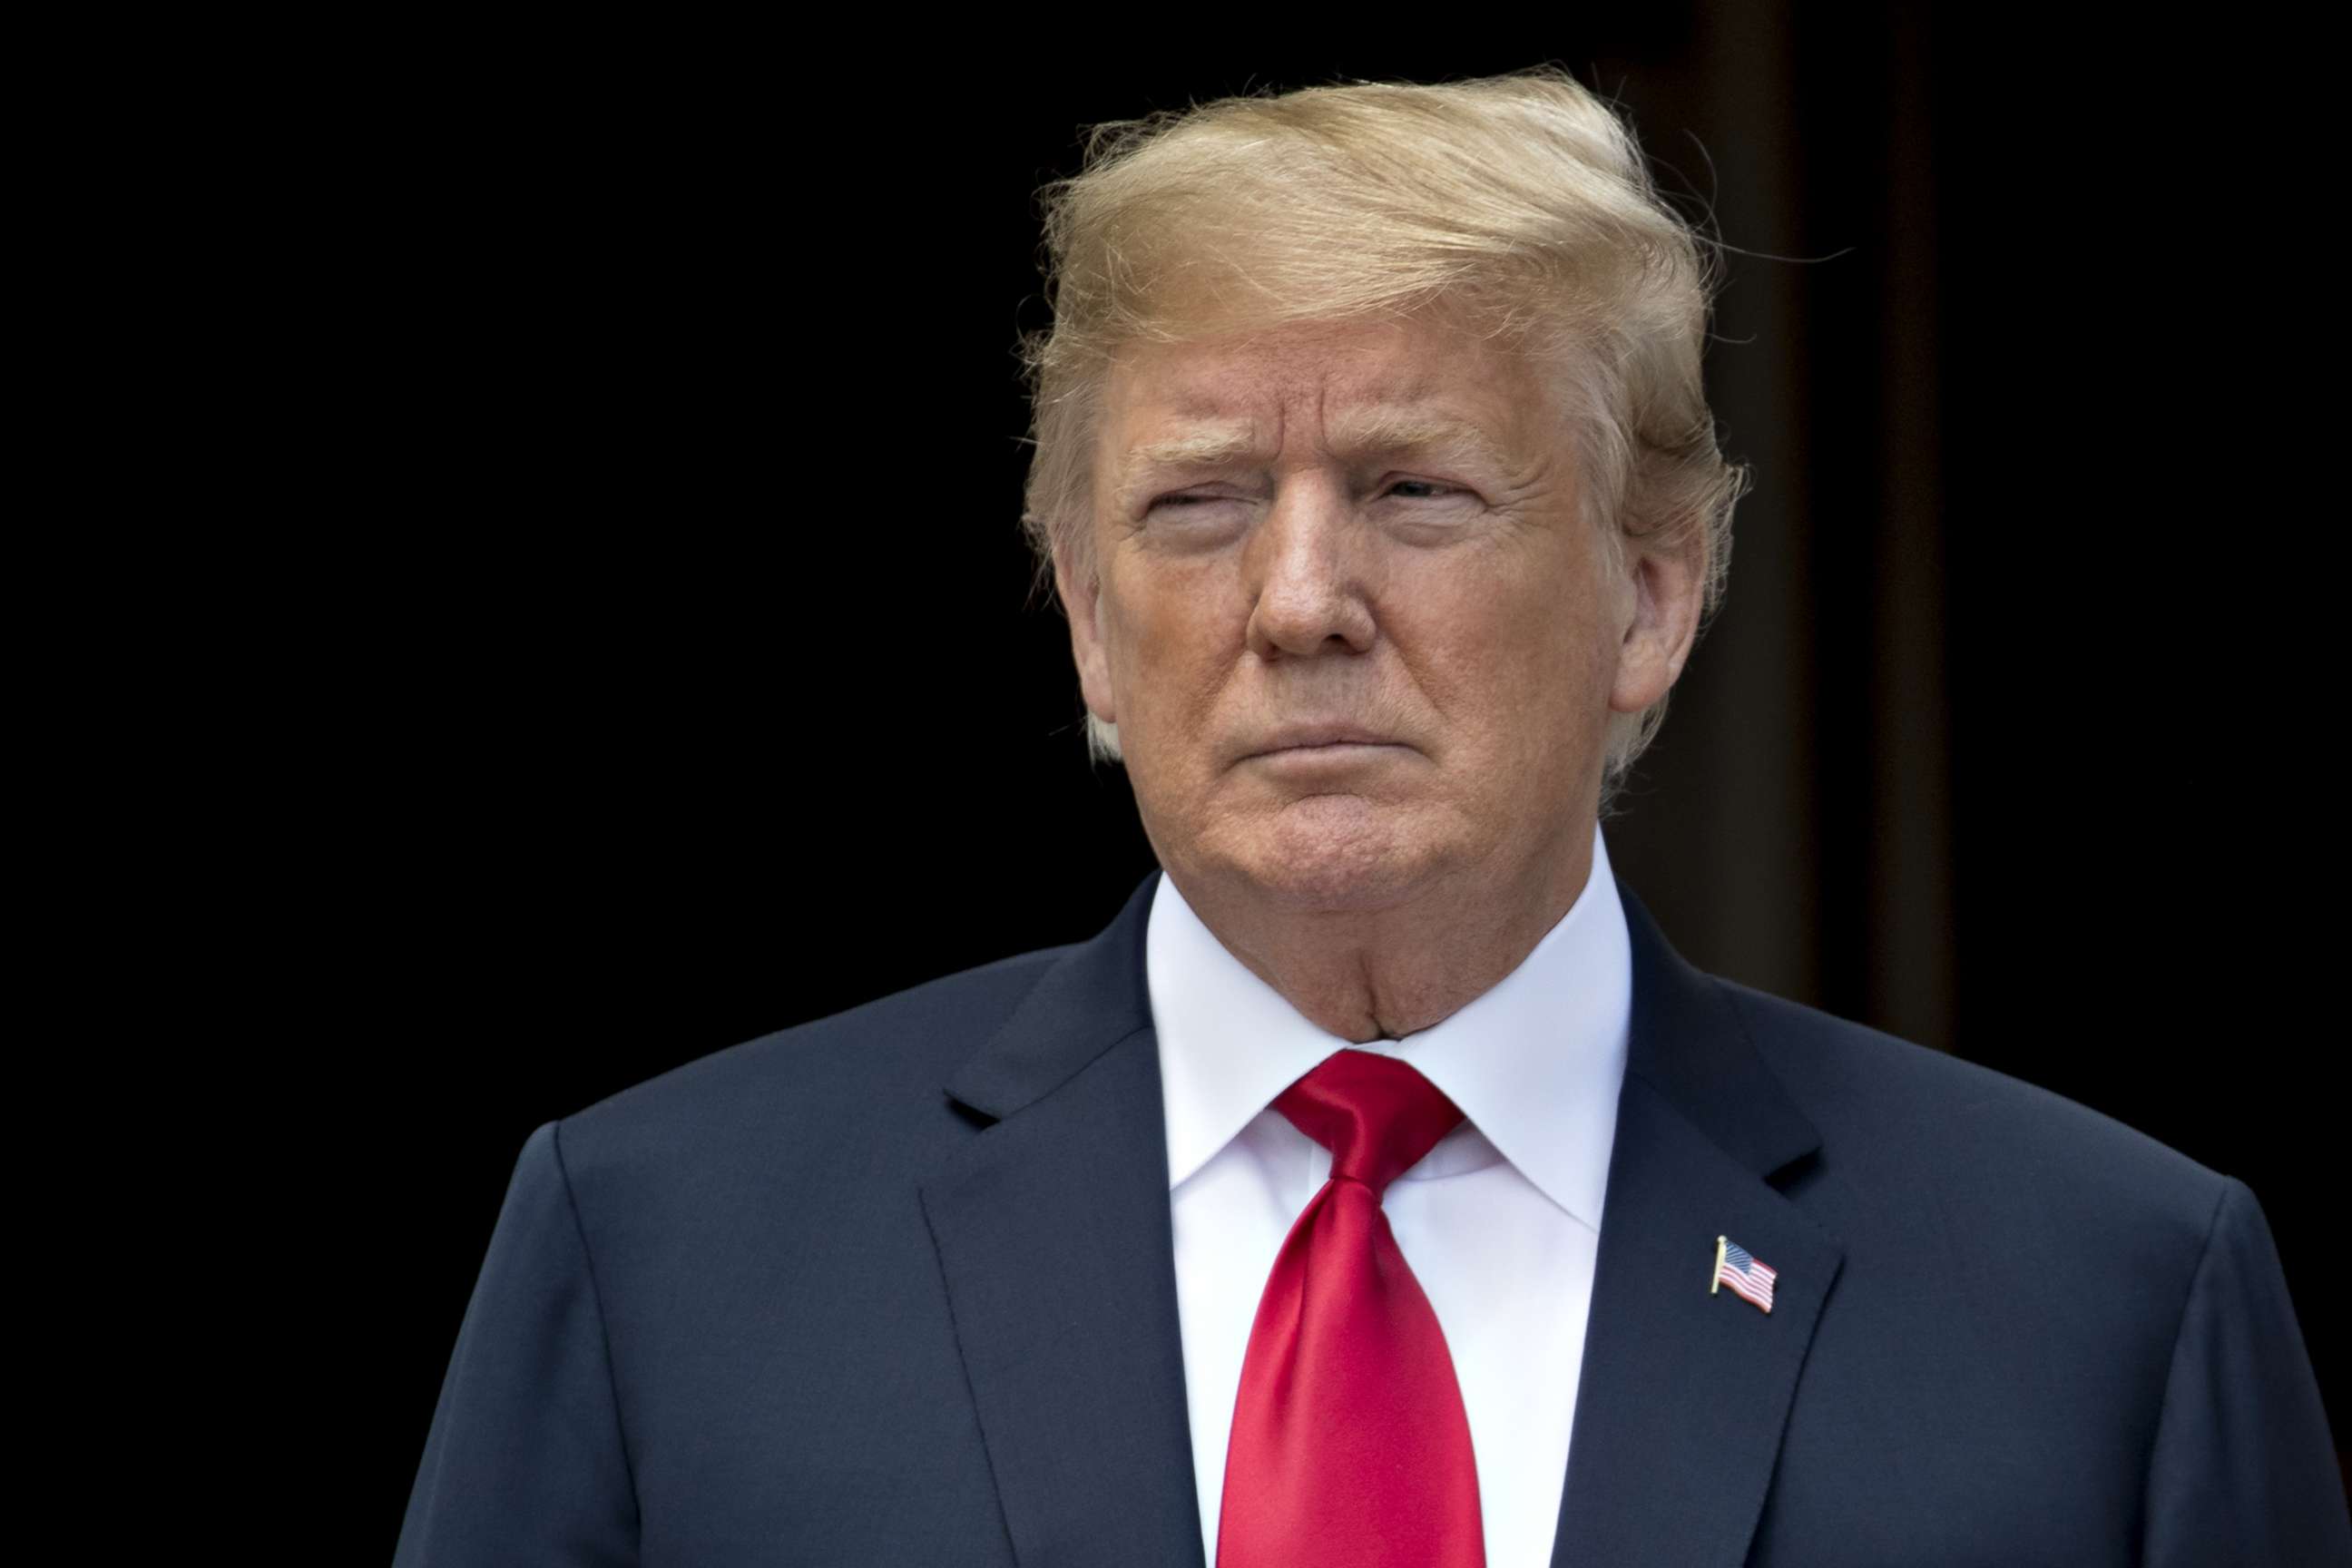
1053, 1232
1054, 1236
1684, 1394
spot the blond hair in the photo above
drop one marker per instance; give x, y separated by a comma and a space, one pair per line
1520, 204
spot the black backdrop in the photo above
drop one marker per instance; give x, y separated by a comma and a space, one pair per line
679, 678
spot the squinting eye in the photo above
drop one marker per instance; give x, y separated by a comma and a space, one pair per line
1183, 499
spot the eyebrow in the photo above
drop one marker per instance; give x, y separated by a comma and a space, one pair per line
1381, 431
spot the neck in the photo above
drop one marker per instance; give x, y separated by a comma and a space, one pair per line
1385, 973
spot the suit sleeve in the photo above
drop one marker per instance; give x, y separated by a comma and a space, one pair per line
526, 1465
2242, 1471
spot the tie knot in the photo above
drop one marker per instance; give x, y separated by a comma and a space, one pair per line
1376, 1114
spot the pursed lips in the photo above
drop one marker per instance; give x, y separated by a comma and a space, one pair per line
1316, 737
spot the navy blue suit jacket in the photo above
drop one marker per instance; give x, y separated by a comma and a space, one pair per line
896, 1287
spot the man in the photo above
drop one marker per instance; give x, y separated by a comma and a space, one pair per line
1379, 1186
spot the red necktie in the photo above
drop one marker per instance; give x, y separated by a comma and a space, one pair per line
1351, 1449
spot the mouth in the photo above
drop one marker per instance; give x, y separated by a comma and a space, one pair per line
1337, 743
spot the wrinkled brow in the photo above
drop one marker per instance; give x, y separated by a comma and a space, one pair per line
1377, 431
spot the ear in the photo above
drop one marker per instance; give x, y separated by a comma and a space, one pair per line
1082, 597
1660, 622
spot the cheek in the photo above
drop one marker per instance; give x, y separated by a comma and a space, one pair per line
1535, 668
1171, 657
1172, 633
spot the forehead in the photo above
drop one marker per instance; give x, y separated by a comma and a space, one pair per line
1355, 390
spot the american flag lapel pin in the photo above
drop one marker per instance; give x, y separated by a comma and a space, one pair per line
1750, 1281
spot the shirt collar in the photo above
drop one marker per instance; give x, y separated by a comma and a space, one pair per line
1536, 1062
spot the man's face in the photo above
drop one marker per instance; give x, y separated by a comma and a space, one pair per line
1370, 529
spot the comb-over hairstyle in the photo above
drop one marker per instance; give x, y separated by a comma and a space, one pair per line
1517, 207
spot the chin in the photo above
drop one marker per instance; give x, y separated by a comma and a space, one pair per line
1332, 853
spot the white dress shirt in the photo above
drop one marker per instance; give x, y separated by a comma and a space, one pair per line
1500, 1222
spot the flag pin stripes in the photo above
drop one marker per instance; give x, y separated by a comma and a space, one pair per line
1750, 1281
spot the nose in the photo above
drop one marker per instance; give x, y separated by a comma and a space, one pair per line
1307, 564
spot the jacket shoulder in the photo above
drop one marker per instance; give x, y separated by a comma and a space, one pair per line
873, 1073
1903, 1121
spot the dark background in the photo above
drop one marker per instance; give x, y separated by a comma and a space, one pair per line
674, 676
